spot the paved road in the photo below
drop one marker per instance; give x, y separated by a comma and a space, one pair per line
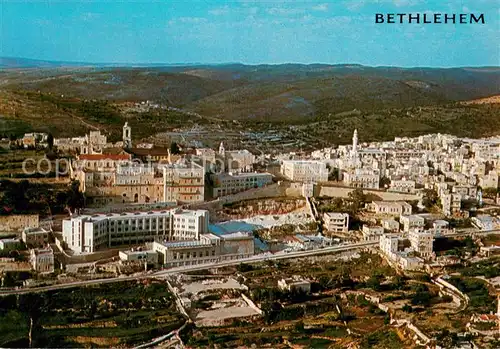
254, 259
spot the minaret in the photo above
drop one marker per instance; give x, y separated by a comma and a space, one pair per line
355, 142
127, 136
222, 151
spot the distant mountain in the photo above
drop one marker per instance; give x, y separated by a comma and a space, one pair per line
296, 92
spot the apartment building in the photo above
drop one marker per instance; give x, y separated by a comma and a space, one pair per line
92, 233
229, 183
410, 222
372, 233
305, 170
402, 186
393, 208
451, 203
336, 222
183, 182
421, 242
362, 178
390, 225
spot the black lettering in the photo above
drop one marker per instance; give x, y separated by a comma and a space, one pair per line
437, 18
379, 18
463, 18
390, 18
425, 19
415, 17
401, 16
475, 19
447, 17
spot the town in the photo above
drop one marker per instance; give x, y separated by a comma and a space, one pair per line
406, 230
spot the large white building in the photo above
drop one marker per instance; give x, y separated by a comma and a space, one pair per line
228, 183
100, 231
305, 170
412, 222
336, 222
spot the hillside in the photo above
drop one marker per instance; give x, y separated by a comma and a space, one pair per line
263, 92
321, 100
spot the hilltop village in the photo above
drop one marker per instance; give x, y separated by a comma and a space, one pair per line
358, 245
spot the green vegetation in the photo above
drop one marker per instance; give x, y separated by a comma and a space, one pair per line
480, 299
26, 197
103, 316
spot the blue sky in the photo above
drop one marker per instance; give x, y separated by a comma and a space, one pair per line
248, 32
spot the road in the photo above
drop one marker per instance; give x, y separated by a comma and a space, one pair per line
161, 273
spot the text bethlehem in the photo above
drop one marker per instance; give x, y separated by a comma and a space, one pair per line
426, 18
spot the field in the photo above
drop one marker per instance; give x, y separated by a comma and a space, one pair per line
120, 314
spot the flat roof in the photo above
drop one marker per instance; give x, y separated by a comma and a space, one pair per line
187, 243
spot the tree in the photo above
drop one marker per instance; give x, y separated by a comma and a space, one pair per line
358, 198
385, 182
174, 148
430, 198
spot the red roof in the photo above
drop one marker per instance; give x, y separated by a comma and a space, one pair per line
104, 157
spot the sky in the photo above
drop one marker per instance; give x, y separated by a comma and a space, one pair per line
250, 32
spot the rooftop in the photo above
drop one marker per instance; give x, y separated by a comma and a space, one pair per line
94, 157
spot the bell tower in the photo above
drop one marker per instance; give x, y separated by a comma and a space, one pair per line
127, 136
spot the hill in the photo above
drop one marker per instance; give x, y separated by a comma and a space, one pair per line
263, 92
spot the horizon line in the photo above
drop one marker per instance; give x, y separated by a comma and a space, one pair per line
181, 64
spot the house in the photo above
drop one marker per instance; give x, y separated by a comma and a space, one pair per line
295, 283
336, 222
42, 259
10, 244
393, 208
35, 237
136, 256
411, 221
372, 233
390, 225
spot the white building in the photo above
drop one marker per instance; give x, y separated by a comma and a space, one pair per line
10, 244
390, 225
394, 208
148, 256
362, 178
372, 233
42, 260
412, 221
295, 283
100, 231
305, 170
421, 242
402, 186
229, 183
451, 203
336, 222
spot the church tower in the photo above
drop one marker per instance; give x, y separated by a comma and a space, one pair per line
127, 136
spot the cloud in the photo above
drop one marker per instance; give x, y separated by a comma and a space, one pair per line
220, 11
320, 7
282, 11
188, 20
89, 16
406, 3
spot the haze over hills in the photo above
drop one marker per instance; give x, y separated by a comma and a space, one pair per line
260, 92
